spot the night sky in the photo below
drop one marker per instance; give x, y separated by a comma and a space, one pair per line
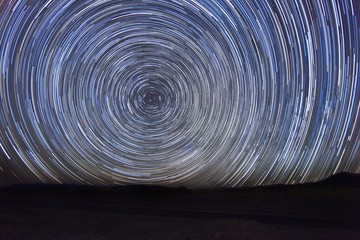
193, 93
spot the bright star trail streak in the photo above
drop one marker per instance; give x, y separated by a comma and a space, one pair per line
178, 92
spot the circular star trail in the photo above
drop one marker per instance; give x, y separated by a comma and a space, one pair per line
178, 92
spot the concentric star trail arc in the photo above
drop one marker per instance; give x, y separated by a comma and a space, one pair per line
189, 93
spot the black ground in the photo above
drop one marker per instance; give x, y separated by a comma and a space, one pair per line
326, 210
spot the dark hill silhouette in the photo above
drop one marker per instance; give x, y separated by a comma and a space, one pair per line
342, 179
328, 209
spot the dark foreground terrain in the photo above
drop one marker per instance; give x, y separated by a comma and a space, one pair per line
326, 210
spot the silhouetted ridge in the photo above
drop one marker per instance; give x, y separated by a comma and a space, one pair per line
343, 179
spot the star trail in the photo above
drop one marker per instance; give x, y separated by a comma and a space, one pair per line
178, 92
